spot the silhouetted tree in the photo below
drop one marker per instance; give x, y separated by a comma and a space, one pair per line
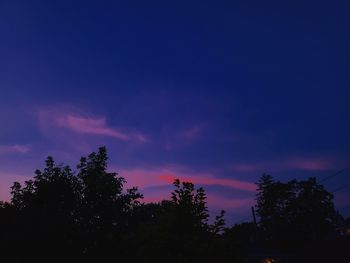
295, 212
69, 215
45, 212
87, 216
106, 209
178, 230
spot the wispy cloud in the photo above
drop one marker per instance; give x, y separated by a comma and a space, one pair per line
97, 126
308, 164
16, 148
235, 184
156, 184
287, 164
165, 176
184, 137
82, 123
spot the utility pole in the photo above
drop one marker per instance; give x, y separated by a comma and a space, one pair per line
253, 212
255, 224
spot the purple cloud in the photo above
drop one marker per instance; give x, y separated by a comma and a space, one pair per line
158, 179
166, 175
17, 148
78, 122
88, 125
289, 163
310, 164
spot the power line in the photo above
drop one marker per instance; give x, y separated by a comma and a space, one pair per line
340, 188
335, 174
322, 180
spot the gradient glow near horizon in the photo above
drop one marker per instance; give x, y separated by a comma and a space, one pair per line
208, 91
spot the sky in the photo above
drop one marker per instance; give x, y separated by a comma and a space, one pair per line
214, 92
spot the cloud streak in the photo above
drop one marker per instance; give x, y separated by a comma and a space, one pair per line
156, 185
17, 148
166, 176
80, 123
96, 126
232, 183
309, 164
291, 163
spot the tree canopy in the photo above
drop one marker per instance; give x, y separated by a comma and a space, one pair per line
87, 215
295, 212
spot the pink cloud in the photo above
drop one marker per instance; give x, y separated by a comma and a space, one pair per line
145, 178
141, 178
78, 122
148, 177
232, 183
14, 149
88, 125
309, 164
292, 163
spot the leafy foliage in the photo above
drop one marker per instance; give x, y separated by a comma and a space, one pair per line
295, 212
87, 215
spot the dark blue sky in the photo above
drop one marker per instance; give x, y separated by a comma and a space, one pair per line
213, 91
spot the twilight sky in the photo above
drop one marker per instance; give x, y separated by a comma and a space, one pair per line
216, 92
